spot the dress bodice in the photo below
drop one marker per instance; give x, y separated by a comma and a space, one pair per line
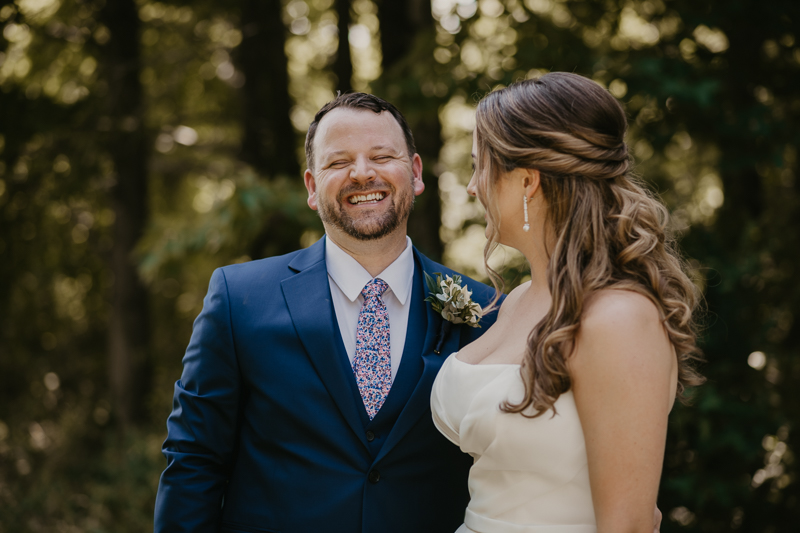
529, 475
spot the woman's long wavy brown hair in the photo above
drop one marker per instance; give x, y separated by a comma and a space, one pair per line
609, 231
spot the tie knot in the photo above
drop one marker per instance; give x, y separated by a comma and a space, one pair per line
374, 288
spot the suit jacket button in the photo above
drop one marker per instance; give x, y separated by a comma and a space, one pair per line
370, 436
374, 476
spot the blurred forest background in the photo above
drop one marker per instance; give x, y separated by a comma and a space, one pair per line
143, 144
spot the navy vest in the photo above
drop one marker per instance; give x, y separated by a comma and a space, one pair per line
408, 374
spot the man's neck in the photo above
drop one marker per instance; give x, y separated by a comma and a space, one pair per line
374, 255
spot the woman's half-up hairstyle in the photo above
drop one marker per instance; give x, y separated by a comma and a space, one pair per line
608, 231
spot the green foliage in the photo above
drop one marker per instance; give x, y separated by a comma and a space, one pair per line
90, 481
710, 90
233, 211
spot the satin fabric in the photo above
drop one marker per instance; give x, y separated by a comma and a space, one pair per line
530, 475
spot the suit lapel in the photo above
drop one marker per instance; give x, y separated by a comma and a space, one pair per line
308, 299
420, 400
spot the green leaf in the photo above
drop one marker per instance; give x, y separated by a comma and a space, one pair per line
430, 283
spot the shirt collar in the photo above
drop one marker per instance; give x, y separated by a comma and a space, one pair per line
350, 276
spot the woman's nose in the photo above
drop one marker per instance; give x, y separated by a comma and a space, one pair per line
472, 188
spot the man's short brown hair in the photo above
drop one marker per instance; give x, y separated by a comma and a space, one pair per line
365, 101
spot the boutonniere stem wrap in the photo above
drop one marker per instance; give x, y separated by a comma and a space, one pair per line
453, 302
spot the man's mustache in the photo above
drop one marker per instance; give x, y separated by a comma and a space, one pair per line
360, 189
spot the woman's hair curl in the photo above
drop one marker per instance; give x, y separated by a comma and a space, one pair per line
609, 231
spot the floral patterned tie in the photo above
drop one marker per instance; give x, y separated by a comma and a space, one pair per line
372, 363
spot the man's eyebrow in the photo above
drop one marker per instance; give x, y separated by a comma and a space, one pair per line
384, 147
376, 147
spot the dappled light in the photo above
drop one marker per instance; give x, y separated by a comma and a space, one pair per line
142, 149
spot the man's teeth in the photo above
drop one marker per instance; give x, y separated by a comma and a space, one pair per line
362, 198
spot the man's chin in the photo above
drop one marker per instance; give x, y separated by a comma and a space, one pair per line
368, 226
369, 232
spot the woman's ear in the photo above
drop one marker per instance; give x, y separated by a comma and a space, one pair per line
531, 181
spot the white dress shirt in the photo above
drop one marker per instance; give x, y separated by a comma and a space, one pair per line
347, 277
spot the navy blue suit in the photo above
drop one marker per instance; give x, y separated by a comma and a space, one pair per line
268, 431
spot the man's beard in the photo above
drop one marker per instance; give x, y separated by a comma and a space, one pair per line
332, 213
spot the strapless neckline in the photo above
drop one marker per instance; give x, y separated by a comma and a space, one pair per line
454, 355
530, 475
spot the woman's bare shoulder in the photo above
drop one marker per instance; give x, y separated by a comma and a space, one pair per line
618, 327
620, 309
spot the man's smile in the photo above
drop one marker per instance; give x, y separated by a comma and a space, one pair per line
371, 198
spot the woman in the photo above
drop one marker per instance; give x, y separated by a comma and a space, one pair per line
563, 403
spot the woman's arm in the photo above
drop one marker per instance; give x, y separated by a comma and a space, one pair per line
624, 374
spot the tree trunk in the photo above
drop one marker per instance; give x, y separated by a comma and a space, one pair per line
268, 143
343, 64
426, 219
402, 23
127, 145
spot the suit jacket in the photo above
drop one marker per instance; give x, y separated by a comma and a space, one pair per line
268, 431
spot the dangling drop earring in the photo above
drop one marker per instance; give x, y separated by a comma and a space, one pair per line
525, 226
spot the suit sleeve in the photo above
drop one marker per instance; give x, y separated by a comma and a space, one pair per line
201, 430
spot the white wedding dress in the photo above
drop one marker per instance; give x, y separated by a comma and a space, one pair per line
529, 475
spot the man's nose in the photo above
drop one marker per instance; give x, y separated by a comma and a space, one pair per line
363, 170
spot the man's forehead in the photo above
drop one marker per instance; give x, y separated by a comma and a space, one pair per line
348, 120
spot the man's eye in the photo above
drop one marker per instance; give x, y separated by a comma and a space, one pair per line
383, 158
338, 164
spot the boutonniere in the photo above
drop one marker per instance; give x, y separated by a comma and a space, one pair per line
453, 302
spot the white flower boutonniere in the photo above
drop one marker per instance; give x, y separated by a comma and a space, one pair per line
453, 301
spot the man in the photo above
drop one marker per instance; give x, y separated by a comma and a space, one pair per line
304, 403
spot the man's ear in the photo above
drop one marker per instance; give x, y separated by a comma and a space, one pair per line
416, 174
311, 187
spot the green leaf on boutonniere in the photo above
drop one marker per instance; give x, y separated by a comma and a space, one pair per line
431, 283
